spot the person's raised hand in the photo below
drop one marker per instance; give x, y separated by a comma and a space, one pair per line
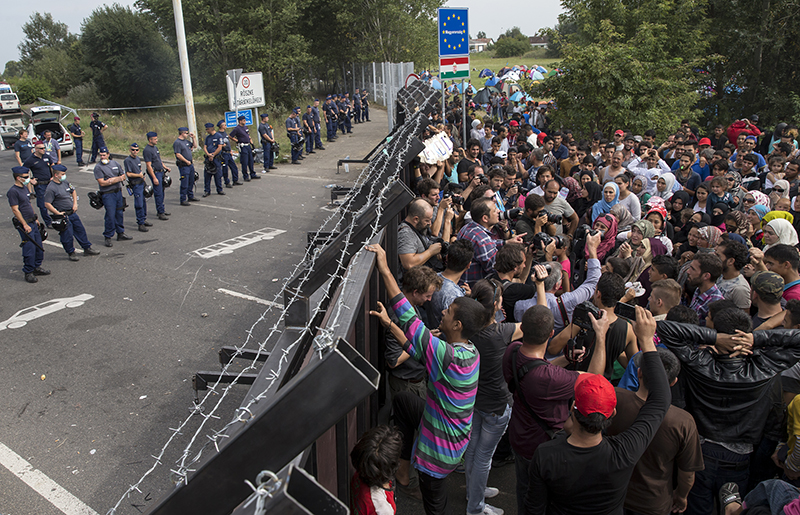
600, 325
539, 273
593, 241
644, 327
382, 315
381, 255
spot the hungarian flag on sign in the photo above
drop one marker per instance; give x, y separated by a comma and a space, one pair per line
454, 67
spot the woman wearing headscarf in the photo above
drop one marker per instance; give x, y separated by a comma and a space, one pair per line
708, 237
591, 193
736, 223
609, 200
657, 215
679, 201
718, 214
656, 249
779, 191
759, 197
738, 193
624, 217
664, 186
779, 231
607, 225
754, 215
574, 188
640, 231
639, 188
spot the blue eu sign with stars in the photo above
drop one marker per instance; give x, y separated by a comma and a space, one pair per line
453, 31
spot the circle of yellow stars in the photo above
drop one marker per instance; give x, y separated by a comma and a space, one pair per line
455, 18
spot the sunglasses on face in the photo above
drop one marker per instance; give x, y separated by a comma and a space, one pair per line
778, 190
750, 200
729, 179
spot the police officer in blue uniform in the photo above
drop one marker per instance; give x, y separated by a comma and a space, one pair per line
97, 135
156, 171
227, 157
183, 148
267, 136
212, 150
77, 137
26, 224
308, 129
365, 105
294, 132
331, 118
348, 113
357, 106
111, 176
317, 128
133, 170
241, 136
62, 201
39, 165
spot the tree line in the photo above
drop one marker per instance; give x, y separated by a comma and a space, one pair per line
642, 64
128, 56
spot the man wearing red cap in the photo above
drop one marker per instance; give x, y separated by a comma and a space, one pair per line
581, 471
619, 139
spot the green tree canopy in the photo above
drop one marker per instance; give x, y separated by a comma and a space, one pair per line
481, 34
41, 33
512, 43
127, 57
628, 64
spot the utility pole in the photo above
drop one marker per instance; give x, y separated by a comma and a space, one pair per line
191, 119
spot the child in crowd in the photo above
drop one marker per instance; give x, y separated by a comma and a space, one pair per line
376, 458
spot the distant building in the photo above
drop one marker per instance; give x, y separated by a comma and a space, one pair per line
538, 41
479, 45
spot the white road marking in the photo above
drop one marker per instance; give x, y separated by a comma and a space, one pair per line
23, 316
228, 246
52, 243
250, 297
43, 485
214, 207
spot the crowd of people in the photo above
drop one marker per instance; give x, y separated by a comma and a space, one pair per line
617, 317
41, 174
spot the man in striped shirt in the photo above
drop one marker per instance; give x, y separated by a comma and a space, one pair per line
444, 418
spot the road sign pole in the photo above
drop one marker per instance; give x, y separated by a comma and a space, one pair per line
463, 110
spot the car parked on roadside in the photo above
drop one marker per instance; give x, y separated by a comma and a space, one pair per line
9, 103
9, 135
49, 118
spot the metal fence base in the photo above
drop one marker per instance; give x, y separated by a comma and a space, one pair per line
299, 494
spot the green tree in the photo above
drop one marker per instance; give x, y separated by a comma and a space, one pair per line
127, 57
29, 89
60, 67
220, 36
12, 69
41, 33
628, 64
481, 35
512, 43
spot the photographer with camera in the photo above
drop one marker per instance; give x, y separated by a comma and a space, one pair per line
563, 306
512, 268
534, 219
414, 245
555, 204
579, 337
485, 216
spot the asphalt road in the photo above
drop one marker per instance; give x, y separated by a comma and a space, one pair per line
92, 384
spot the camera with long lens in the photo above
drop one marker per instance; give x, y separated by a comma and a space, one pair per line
457, 199
511, 214
580, 316
484, 179
445, 245
583, 231
521, 189
542, 240
554, 219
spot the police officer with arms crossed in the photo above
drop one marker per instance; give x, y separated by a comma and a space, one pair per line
241, 135
212, 149
26, 223
62, 200
183, 147
97, 135
39, 165
110, 176
308, 130
329, 110
227, 157
267, 136
77, 137
294, 132
317, 134
133, 170
156, 171
357, 106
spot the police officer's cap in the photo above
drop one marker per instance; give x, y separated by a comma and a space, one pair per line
151, 134
59, 168
328, 97
316, 100
346, 92
209, 125
76, 117
219, 123
242, 117
103, 149
264, 115
183, 129
95, 115
308, 107
134, 145
20, 170
297, 109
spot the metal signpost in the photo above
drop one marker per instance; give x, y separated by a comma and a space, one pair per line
245, 91
454, 51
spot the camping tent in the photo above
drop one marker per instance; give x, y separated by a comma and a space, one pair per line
486, 72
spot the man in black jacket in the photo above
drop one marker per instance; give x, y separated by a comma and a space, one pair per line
586, 472
728, 392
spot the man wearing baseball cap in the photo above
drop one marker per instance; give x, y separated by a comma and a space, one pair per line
619, 137
77, 137
581, 471
97, 136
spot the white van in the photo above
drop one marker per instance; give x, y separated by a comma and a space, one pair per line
9, 103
